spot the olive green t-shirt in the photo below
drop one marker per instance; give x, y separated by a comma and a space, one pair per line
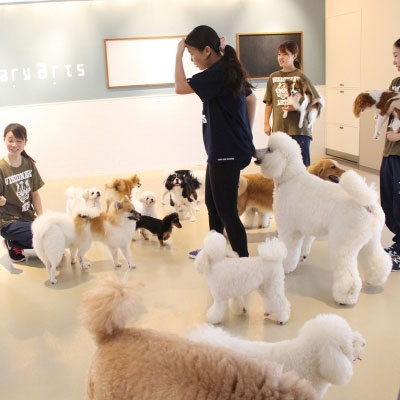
276, 93
392, 148
17, 185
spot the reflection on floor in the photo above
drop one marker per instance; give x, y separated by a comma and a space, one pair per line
45, 353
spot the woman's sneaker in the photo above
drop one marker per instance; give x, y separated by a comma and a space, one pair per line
393, 250
193, 254
16, 254
395, 263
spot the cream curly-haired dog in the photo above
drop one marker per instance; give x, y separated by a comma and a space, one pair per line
231, 277
142, 364
323, 352
348, 214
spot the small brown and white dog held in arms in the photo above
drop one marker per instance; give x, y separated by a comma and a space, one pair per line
143, 364
300, 98
385, 103
116, 228
255, 194
119, 188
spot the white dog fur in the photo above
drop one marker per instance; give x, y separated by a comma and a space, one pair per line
144, 202
54, 231
230, 278
323, 352
79, 197
348, 214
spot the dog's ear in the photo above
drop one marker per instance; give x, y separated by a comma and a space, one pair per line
85, 194
334, 365
203, 263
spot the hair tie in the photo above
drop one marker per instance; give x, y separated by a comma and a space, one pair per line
222, 43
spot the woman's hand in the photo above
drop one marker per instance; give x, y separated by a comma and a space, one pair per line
392, 136
3, 200
288, 108
267, 128
181, 48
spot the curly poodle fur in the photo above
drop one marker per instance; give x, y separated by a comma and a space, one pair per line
323, 352
142, 364
348, 214
230, 278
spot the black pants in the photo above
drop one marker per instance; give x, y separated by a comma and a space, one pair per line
390, 194
304, 143
221, 193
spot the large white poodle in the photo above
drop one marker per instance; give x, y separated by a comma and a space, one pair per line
323, 352
231, 277
347, 214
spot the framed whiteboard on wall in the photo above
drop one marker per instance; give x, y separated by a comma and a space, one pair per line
258, 51
144, 61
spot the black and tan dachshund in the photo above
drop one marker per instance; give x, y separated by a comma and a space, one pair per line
160, 227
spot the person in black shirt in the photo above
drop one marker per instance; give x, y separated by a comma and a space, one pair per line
228, 114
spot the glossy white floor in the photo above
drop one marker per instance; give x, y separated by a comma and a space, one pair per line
45, 353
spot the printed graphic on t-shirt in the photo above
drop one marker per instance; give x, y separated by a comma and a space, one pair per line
204, 119
23, 187
281, 90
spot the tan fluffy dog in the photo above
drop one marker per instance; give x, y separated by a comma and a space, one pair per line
255, 192
132, 363
119, 188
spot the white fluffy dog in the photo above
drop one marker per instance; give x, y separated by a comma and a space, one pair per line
230, 278
348, 214
144, 202
54, 231
79, 197
323, 352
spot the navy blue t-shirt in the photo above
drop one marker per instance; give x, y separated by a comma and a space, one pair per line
226, 128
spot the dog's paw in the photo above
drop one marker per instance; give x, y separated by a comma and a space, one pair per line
54, 281
73, 260
119, 265
85, 264
192, 219
131, 265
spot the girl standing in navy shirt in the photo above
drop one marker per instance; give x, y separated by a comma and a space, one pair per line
228, 113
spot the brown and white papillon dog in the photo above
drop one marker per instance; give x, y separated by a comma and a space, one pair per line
300, 98
385, 103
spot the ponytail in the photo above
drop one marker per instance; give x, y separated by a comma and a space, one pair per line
19, 132
236, 75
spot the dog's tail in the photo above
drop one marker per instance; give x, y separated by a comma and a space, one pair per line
272, 249
105, 308
356, 187
74, 192
214, 249
362, 102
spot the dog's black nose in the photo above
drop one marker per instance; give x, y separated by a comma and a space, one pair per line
257, 161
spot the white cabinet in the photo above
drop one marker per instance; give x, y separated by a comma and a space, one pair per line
343, 141
343, 64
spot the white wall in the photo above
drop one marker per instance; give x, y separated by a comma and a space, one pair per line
106, 137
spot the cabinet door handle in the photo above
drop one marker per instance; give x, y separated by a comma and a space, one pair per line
341, 84
341, 127
341, 91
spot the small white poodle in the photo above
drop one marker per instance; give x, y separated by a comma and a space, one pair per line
323, 352
231, 277
144, 202
348, 214
79, 197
